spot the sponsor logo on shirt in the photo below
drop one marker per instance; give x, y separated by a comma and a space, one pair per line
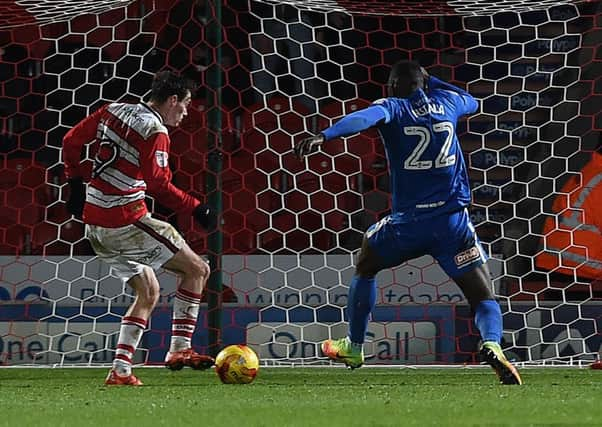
467, 256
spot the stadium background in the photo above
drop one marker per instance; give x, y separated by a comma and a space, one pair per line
268, 75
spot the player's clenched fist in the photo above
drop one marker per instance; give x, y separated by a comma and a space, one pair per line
77, 197
308, 145
205, 216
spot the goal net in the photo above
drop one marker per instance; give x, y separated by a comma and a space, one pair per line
270, 73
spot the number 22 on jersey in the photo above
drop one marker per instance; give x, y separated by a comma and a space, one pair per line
414, 161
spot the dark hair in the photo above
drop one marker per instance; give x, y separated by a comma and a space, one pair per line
407, 70
405, 77
168, 83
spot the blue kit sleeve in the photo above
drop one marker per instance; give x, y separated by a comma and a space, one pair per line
464, 101
357, 122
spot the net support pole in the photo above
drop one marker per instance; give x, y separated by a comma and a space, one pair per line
214, 182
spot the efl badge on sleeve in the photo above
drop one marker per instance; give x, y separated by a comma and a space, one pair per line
161, 157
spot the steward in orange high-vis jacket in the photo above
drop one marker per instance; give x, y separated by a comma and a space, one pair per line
573, 241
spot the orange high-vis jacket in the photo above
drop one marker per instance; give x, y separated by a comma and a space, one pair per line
573, 240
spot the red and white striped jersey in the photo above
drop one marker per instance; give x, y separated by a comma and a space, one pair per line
131, 145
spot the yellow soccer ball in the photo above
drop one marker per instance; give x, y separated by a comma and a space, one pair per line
237, 364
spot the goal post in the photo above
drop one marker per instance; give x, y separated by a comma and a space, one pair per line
269, 74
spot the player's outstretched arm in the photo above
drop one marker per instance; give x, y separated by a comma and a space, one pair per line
157, 175
308, 145
348, 125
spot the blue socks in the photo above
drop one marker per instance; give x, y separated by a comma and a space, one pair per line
362, 298
488, 318
361, 301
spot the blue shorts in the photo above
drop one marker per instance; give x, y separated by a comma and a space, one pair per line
449, 238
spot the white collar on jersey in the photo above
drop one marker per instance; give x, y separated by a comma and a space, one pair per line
152, 110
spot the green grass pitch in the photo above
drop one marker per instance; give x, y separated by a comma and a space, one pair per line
301, 397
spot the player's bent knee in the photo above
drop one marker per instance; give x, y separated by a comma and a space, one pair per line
204, 269
364, 271
147, 288
476, 285
154, 293
199, 268
367, 265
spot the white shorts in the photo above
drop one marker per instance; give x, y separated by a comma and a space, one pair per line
147, 242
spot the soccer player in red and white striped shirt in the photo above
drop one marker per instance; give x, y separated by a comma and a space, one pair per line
131, 143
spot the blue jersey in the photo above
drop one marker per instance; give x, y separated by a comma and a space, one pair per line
427, 169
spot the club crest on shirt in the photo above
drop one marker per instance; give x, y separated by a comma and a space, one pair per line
467, 256
161, 157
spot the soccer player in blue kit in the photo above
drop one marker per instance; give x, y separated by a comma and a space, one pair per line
431, 193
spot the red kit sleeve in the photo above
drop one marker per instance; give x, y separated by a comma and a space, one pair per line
154, 156
74, 141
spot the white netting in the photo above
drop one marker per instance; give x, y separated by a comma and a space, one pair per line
289, 229
42, 12
424, 8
